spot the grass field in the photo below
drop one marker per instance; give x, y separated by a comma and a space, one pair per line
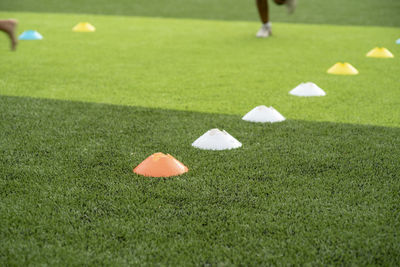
359, 12
206, 66
79, 111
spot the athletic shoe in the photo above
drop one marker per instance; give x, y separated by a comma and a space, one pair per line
264, 31
291, 5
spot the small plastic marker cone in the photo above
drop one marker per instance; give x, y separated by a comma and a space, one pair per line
380, 52
343, 69
307, 89
84, 27
160, 165
263, 114
216, 139
30, 35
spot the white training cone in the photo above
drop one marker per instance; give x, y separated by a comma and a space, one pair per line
307, 89
263, 114
215, 139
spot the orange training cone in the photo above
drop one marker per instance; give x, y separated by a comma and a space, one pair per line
160, 165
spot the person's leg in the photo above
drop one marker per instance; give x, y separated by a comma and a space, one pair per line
9, 26
262, 6
265, 31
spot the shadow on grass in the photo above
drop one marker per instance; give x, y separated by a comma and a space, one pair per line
296, 192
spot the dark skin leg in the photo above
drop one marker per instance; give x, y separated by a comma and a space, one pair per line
9, 26
263, 10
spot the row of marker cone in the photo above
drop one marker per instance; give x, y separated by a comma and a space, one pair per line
162, 165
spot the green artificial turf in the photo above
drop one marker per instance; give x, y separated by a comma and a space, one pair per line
359, 12
297, 192
207, 66
79, 111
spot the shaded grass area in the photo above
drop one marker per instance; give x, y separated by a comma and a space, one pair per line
207, 66
296, 193
360, 12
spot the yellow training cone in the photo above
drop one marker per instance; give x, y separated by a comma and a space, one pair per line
84, 27
343, 69
380, 52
